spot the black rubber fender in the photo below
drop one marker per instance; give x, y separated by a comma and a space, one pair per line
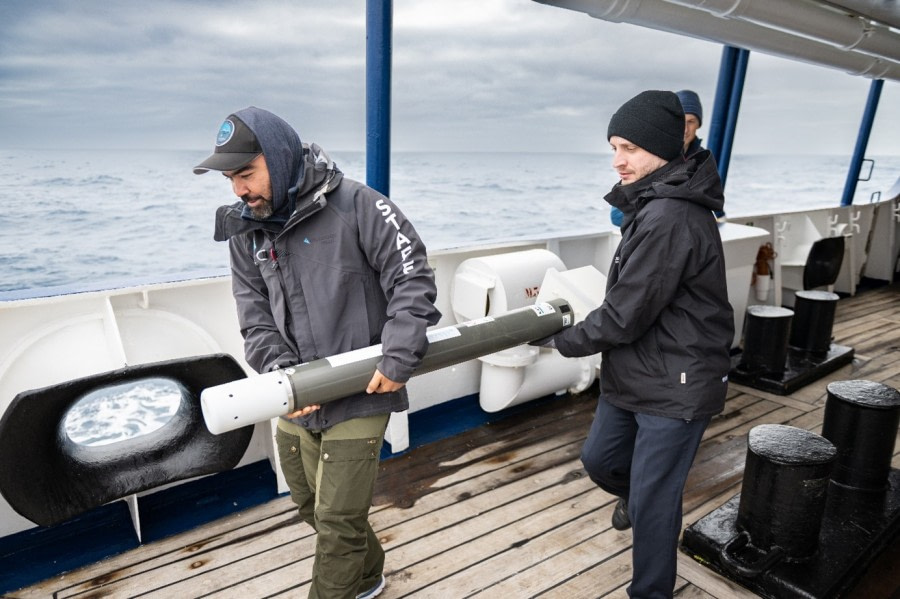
48, 478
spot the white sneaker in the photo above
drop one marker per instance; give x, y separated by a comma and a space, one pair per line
374, 591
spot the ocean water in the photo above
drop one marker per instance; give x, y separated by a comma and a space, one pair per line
80, 219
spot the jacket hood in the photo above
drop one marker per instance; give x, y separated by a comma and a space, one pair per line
695, 179
318, 174
284, 156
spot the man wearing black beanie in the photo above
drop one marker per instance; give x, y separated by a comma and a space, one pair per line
652, 120
665, 328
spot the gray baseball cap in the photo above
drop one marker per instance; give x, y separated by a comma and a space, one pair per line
236, 146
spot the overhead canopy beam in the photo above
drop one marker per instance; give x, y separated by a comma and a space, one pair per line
810, 19
742, 29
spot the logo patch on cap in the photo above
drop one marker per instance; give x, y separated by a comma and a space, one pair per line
225, 133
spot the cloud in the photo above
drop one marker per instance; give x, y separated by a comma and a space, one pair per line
467, 74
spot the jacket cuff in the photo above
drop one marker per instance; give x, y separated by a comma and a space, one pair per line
282, 361
395, 370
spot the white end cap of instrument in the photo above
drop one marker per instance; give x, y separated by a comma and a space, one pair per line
246, 401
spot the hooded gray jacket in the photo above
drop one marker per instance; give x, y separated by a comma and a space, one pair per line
665, 326
337, 267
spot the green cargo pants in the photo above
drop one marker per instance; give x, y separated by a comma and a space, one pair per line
331, 476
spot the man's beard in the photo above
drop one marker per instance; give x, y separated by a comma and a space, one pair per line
262, 211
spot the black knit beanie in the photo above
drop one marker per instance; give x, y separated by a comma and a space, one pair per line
653, 120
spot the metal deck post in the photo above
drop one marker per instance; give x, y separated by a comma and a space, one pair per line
862, 140
729, 89
720, 107
379, 25
734, 108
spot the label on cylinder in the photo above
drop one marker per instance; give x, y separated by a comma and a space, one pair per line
543, 308
442, 334
356, 355
477, 321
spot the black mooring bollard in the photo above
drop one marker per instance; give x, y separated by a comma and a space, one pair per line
861, 419
794, 531
783, 492
813, 321
766, 331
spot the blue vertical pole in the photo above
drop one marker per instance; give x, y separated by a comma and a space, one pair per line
734, 108
723, 99
862, 140
379, 23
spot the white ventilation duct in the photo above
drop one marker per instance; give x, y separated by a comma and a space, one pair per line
490, 285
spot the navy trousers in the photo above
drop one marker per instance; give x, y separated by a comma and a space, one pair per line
645, 460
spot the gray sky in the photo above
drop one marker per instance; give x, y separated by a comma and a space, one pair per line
494, 75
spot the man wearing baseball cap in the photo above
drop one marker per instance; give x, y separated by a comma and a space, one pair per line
323, 265
236, 146
665, 329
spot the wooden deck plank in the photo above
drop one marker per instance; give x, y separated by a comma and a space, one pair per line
456, 525
156, 556
481, 477
240, 547
405, 479
602, 578
283, 570
709, 581
511, 548
738, 411
287, 557
609, 547
689, 591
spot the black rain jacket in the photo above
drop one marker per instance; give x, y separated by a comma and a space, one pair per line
665, 326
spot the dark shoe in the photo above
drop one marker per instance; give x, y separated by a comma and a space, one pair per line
620, 519
374, 591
